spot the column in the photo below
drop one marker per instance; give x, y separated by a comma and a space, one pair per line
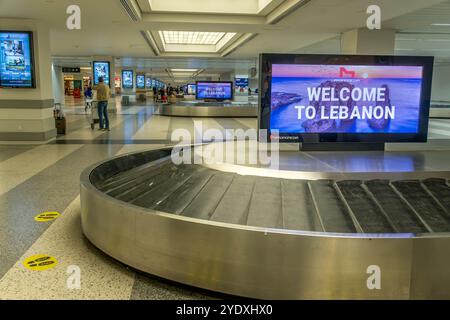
365, 41
58, 84
27, 114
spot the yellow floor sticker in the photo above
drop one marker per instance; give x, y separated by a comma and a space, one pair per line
46, 216
40, 262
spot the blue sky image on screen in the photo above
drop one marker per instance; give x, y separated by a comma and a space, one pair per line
241, 82
140, 81
15, 60
214, 90
326, 90
127, 79
148, 82
191, 89
101, 69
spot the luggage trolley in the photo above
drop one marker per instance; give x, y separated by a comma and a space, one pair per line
92, 105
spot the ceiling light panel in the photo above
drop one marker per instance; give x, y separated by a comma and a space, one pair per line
191, 37
184, 70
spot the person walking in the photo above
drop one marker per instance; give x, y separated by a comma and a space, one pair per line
103, 95
87, 98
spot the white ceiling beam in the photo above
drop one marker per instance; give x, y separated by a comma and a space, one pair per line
203, 19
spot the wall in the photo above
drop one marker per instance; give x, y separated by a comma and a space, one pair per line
27, 114
441, 83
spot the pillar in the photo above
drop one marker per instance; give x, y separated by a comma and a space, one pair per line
365, 41
27, 114
58, 84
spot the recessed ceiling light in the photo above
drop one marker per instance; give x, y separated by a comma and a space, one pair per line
184, 70
441, 24
191, 37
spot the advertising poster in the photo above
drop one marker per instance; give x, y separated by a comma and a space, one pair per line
241, 83
191, 89
16, 61
127, 79
140, 81
345, 99
148, 82
101, 69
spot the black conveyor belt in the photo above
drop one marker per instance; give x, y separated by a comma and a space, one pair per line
346, 206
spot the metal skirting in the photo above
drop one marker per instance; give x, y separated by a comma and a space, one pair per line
205, 111
270, 238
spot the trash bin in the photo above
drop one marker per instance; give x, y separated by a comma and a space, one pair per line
60, 119
142, 97
60, 124
125, 100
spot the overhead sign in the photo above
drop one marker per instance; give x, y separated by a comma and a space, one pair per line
71, 70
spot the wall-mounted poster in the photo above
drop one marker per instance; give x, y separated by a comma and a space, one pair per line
127, 79
16, 59
101, 69
140, 81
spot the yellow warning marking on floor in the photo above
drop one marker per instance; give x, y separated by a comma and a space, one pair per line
46, 216
40, 262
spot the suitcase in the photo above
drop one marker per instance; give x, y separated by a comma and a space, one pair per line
94, 115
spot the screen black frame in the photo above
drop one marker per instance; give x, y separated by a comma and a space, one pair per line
96, 82
264, 106
140, 75
32, 62
132, 79
216, 99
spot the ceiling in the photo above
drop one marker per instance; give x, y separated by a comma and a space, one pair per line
128, 29
417, 34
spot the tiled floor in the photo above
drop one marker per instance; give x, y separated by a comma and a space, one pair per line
38, 178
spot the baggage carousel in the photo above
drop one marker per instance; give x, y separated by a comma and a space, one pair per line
208, 109
289, 233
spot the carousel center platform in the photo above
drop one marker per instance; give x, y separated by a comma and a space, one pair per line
198, 108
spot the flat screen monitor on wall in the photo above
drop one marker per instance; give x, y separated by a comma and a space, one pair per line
101, 69
148, 82
191, 89
241, 83
140, 81
345, 98
127, 79
16, 59
214, 90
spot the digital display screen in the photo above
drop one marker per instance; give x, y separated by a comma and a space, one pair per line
127, 79
101, 69
191, 88
16, 60
148, 82
214, 90
345, 98
355, 99
140, 81
241, 82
